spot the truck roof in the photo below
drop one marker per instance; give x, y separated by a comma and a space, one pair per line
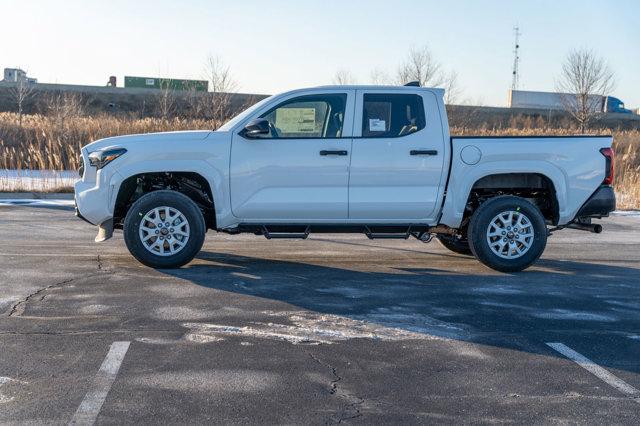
436, 90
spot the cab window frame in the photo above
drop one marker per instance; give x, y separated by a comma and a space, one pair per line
316, 97
379, 97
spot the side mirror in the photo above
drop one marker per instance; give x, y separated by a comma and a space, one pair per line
256, 128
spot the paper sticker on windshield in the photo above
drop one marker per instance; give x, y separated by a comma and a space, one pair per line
377, 125
296, 120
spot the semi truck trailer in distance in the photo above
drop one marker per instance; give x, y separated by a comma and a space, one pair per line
557, 101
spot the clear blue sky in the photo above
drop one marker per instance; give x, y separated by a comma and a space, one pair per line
273, 45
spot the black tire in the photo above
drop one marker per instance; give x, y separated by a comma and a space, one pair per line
455, 243
174, 200
479, 234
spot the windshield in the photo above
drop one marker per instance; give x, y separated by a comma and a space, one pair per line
244, 114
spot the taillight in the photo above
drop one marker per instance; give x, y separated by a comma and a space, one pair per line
608, 171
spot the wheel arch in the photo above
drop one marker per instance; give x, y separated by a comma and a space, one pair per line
504, 181
190, 183
535, 186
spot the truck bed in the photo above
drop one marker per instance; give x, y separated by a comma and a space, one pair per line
574, 165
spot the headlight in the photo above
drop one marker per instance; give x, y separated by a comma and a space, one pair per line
101, 158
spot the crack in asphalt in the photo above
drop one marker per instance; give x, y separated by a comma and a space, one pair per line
18, 308
353, 401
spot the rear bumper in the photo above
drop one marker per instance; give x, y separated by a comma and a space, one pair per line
601, 203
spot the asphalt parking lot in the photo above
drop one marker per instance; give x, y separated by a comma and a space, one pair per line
334, 329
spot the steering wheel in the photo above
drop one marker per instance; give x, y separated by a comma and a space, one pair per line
273, 131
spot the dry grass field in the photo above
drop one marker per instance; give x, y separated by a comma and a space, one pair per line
50, 143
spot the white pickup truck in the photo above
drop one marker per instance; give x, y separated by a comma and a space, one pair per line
376, 160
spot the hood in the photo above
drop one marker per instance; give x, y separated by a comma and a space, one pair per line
156, 138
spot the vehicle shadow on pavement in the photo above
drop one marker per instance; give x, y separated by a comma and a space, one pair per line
542, 304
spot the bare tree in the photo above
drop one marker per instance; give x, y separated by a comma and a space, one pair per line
165, 99
21, 93
380, 77
585, 80
221, 86
452, 90
343, 77
420, 66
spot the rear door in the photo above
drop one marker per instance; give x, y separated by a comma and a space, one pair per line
397, 157
299, 172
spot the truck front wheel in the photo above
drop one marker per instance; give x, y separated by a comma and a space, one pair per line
164, 229
507, 233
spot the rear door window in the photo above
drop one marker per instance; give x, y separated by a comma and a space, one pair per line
392, 115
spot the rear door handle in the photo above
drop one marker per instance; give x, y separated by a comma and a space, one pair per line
423, 152
337, 152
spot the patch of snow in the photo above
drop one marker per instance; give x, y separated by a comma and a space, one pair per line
37, 203
308, 328
497, 289
564, 314
627, 213
36, 180
4, 380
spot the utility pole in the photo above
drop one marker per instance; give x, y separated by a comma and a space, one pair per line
516, 59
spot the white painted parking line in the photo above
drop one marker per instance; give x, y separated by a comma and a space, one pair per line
90, 406
596, 370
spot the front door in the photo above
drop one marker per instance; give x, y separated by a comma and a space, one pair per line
397, 156
300, 171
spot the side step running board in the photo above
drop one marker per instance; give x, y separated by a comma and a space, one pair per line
386, 235
273, 235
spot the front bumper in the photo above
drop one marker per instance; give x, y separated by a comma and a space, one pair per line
105, 227
601, 203
78, 214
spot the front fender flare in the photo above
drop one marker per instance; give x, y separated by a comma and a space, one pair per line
216, 179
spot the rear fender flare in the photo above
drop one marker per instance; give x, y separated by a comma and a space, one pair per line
462, 180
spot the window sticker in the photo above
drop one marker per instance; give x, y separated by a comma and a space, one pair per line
377, 125
296, 120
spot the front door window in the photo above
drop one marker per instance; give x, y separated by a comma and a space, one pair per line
314, 116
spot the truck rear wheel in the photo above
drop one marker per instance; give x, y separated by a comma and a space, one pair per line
164, 229
507, 233
455, 243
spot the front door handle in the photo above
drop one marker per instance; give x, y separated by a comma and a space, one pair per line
337, 152
423, 152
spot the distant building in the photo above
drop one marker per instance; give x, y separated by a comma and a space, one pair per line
15, 75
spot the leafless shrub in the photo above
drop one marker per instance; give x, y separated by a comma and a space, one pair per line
166, 100
452, 90
195, 104
63, 105
420, 66
217, 105
21, 93
585, 79
343, 77
379, 76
